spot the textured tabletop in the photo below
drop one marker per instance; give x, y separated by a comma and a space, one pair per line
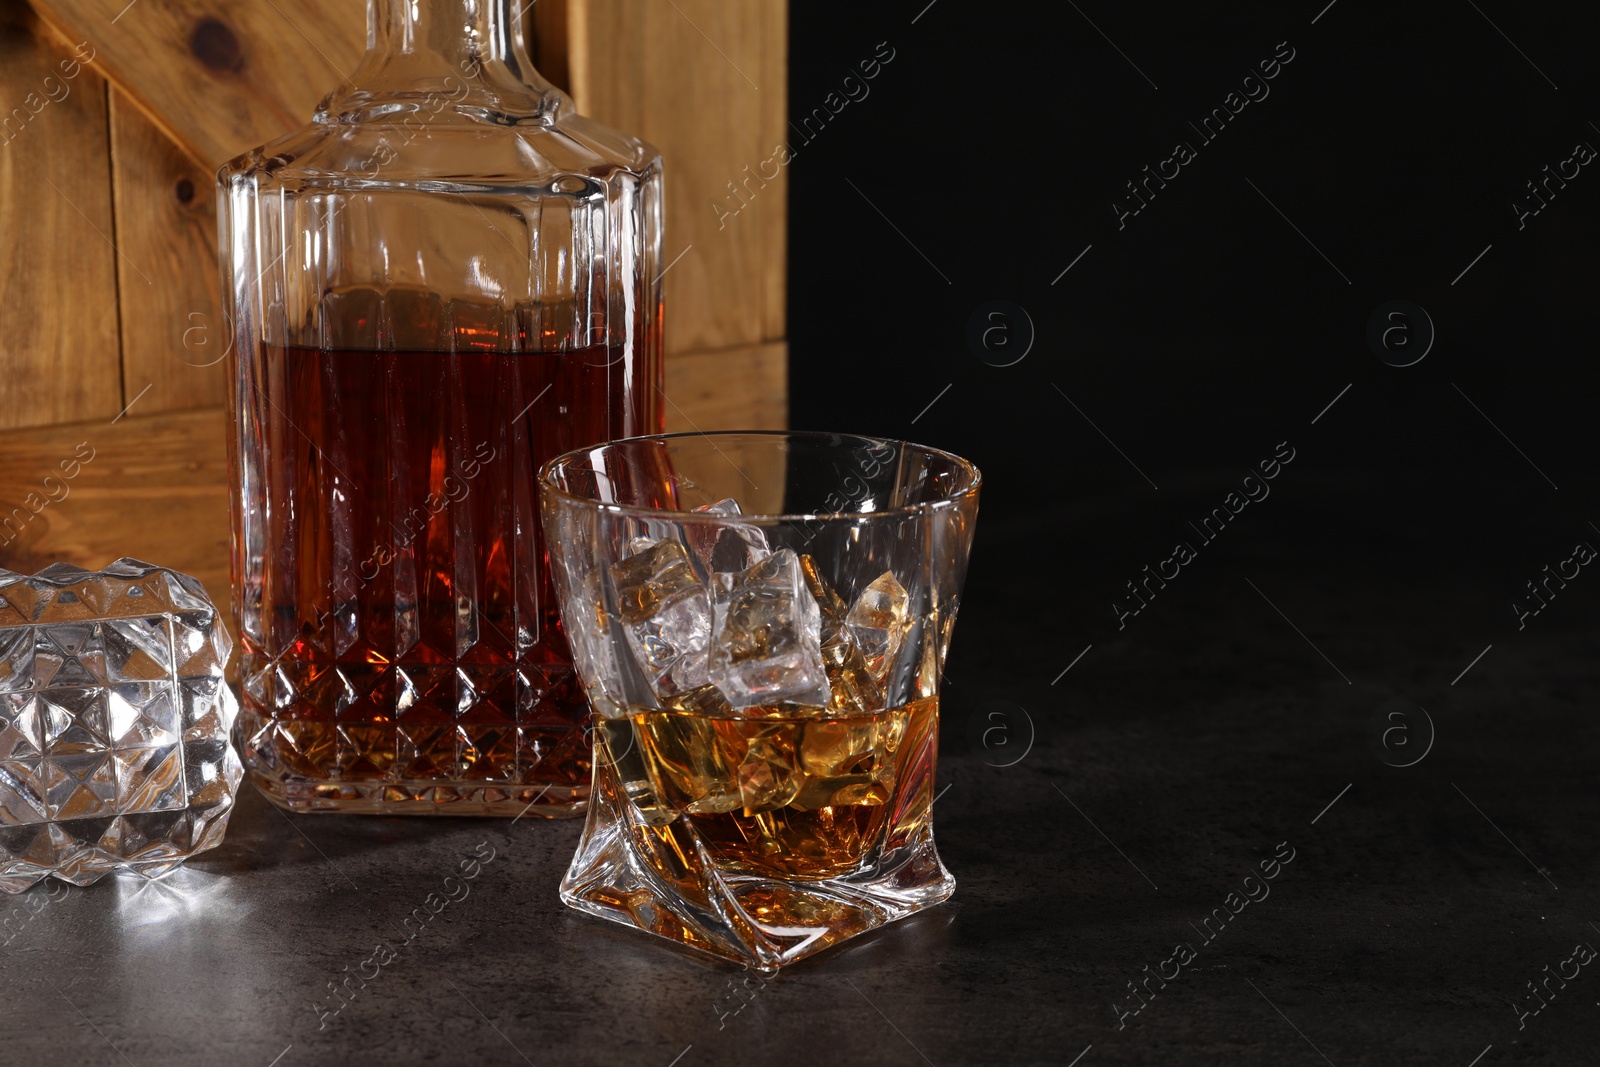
1207, 797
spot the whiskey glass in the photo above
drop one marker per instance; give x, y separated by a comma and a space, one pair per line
759, 621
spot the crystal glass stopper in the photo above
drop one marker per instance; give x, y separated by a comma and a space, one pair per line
114, 721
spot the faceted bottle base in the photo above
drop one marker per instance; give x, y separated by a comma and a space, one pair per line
359, 767
661, 879
430, 797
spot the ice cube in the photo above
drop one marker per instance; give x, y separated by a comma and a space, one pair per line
688, 762
768, 777
831, 603
766, 646
705, 701
666, 614
845, 746
734, 546
853, 687
851, 790
849, 761
879, 621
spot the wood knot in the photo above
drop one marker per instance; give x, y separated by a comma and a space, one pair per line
185, 190
215, 46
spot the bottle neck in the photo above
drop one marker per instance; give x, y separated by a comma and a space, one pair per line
452, 34
463, 57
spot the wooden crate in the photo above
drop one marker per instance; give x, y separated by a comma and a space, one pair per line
114, 117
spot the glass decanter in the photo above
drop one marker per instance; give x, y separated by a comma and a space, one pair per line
445, 279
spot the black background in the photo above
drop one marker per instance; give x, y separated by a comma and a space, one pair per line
1207, 329
1223, 716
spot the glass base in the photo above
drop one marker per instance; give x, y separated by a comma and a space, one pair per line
429, 797
661, 879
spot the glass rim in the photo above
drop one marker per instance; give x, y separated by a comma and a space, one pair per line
970, 469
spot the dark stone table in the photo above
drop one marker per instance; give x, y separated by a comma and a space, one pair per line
1107, 796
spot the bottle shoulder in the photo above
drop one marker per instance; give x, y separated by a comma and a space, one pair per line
414, 148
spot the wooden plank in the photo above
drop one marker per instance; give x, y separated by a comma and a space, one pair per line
174, 334
740, 388
154, 487
549, 40
706, 82
219, 76
58, 280
704, 79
